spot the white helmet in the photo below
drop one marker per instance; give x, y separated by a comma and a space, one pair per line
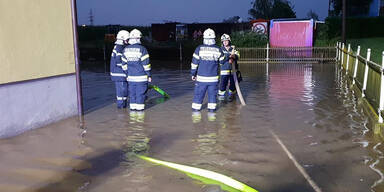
209, 34
135, 34
225, 37
122, 35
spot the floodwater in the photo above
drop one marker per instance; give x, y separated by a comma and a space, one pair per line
308, 107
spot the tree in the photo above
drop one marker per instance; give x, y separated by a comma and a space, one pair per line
282, 9
271, 9
354, 7
234, 19
312, 15
261, 9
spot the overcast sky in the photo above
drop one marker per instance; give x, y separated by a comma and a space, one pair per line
145, 12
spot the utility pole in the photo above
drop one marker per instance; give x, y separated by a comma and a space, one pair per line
90, 17
343, 22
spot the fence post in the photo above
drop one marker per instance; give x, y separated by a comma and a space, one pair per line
267, 52
339, 48
356, 64
366, 73
337, 51
381, 105
342, 55
347, 67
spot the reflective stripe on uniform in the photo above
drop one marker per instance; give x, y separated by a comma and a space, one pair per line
207, 79
133, 54
144, 57
142, 78
132, 106
221, 93
204, 53
118, 74
193, 66
196, 56
140, 106
119, 64
212, 105
147, 67
225, 72
119, 54
237, 53
222, 58
114, 51
196, 106
124, 59
121, 98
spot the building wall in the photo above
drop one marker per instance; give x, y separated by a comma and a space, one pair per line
36, 103
37, 64
36, 39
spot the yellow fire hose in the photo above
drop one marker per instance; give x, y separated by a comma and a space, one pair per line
208, 177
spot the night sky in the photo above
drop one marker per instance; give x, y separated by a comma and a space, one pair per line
145, 12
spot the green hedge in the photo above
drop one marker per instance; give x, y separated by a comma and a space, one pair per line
248, 39
356, 27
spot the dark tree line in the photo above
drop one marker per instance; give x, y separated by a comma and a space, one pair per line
354, 7
271, 9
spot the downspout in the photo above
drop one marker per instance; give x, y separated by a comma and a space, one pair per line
77, 62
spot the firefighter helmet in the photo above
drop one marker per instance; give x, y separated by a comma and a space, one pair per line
122, 35
135, 34
225, 37
209, 34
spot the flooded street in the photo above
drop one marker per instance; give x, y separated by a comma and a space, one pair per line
301, 113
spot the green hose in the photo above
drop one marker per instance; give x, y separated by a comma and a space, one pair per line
156, 88
208, 177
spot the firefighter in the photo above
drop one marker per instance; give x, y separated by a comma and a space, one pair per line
136, 58
118, 74
226, 76
204, 70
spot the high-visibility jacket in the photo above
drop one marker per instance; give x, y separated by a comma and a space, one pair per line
117, 73
205, 63
136, 58
226, 67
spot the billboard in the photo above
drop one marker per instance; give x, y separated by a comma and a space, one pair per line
291, 33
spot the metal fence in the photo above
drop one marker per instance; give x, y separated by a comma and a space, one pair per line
365, 74
287, 54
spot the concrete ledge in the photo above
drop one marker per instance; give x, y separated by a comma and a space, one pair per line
32, 104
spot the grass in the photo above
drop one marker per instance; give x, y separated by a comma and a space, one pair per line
375, 44
325, 42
